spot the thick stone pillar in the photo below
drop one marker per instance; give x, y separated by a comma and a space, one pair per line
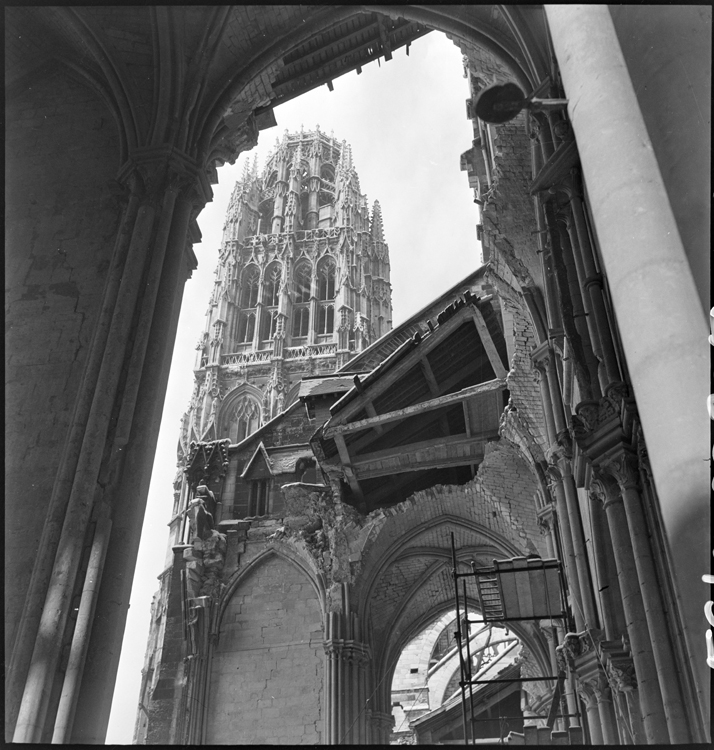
625, 471
655, 725
128, 471
645, 261
124, 350
382, 724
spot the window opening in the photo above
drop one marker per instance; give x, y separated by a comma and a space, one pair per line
258, 503
249, 289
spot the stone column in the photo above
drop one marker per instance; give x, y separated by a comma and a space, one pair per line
625, 471
651, 704
588, 695
643, 255
281, 190
581, 556
591, 282
382, 724
122, 347
571, 569
346, 666
606, 711
605, 583
313, 211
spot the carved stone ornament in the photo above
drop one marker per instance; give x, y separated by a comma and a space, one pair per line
573, 646
622, 677
625, 470
585, 421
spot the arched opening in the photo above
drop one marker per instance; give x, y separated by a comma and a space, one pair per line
240, 418
426, 697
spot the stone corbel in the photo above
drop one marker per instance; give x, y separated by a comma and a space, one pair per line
619, 666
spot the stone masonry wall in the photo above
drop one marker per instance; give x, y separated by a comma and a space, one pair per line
61, 229
268, 666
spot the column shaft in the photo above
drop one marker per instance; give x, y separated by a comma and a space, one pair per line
647, 682
579, 550
656, 619
568, 553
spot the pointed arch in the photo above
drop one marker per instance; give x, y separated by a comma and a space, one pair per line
240, 413
284, 552
326, 278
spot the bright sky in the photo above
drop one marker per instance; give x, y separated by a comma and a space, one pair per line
406, 123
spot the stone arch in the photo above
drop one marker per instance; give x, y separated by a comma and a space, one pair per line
250, 286
266, 676
407, 583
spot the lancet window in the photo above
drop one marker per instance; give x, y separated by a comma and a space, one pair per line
303, 277
301, 321
326, 282
246, 327
249, 287
271, 285
301, 299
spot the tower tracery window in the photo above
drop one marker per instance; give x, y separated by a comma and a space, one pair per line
301, 321
268, 324
326, 273
326, 282
249, 287
243, 419
246, 327
271, 285
303, 279
326, 319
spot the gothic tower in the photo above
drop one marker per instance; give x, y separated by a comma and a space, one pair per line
302, 285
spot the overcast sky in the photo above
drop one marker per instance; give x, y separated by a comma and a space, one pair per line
406, 123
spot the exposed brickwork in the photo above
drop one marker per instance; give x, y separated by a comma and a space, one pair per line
266, 683
59, 240
523, 421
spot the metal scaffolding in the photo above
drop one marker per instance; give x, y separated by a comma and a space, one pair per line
519, 589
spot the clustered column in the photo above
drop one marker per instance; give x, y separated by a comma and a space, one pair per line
136, 323
348, 719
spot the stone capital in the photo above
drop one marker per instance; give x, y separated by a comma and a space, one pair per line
151, 171
603, 490
619, 666
625, 470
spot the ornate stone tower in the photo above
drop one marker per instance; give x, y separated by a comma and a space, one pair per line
302, 284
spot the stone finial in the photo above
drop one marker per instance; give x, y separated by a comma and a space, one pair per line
376, 227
